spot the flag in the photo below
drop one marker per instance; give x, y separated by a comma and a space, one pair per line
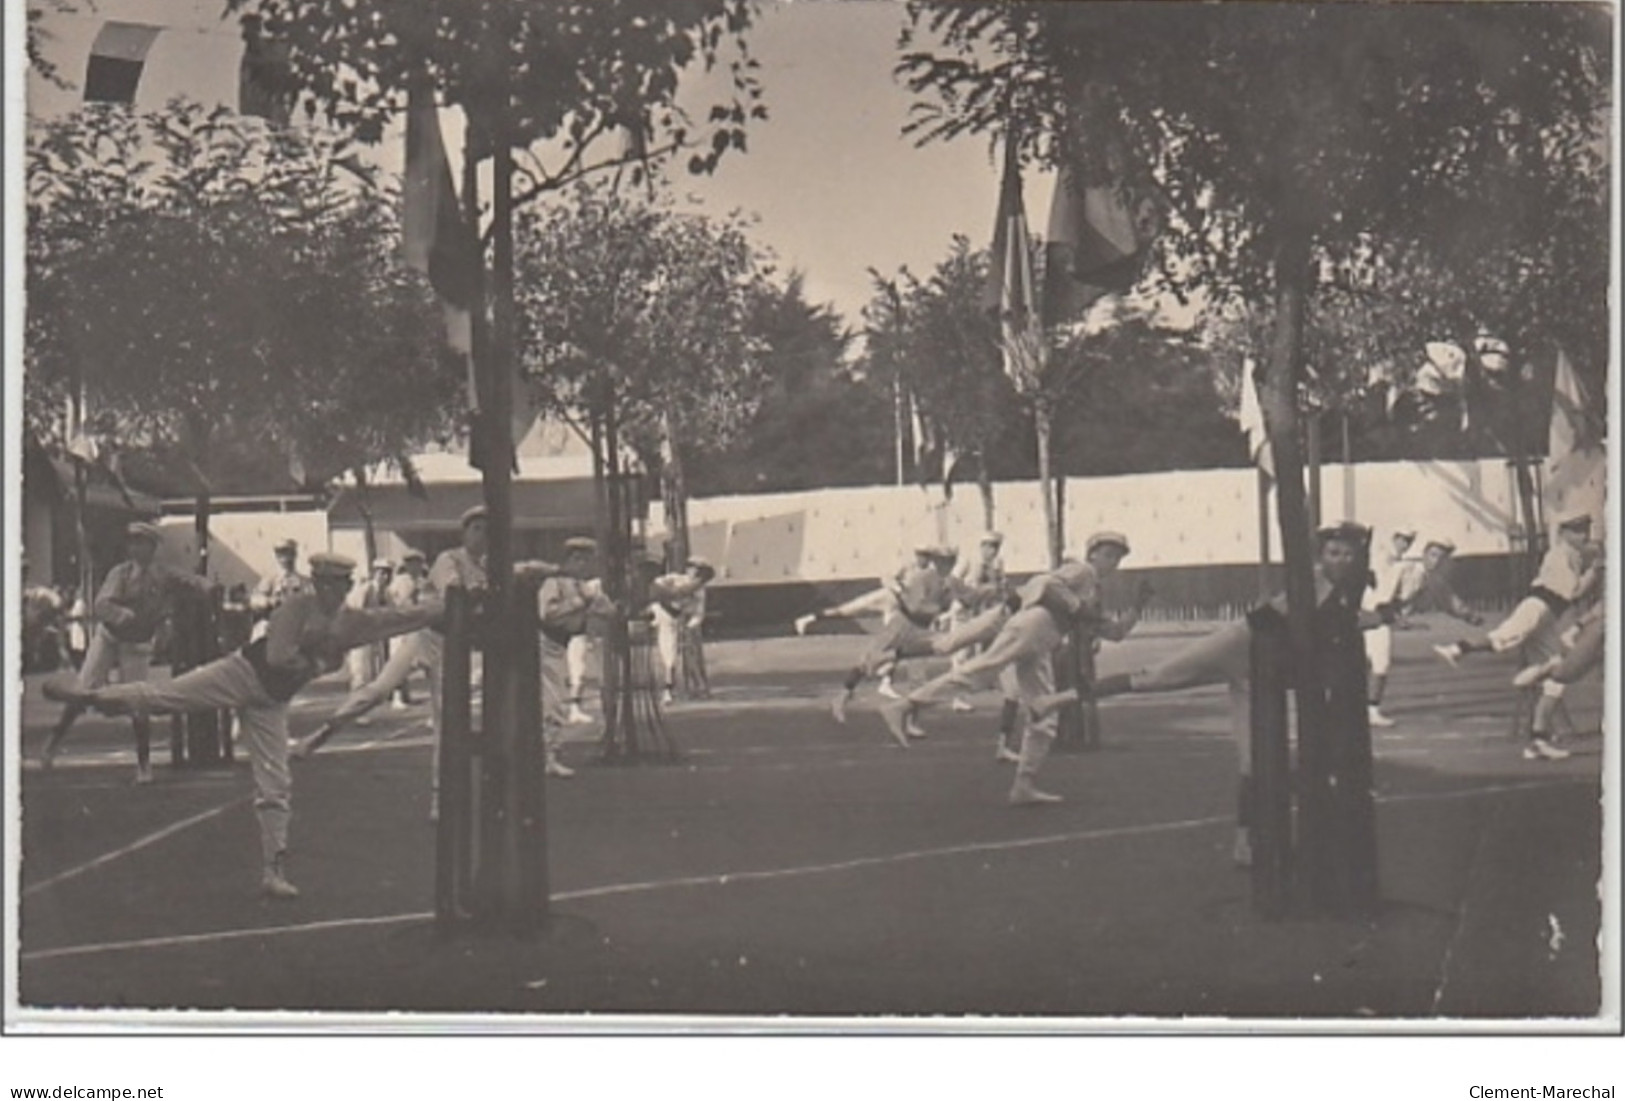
117, 57
1096, 244
435, 238
1576, 464
265, 86
1573, 428
1011, 285
1259, 452
437, 241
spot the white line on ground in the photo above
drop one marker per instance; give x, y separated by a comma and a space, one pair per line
721, 879
134, 846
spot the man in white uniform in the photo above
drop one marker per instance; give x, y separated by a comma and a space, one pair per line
308, 635
1050, 604
1395, 580
135, 598
564, 604
677, 603
1565, 579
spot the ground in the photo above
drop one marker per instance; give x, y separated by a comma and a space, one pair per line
789, 865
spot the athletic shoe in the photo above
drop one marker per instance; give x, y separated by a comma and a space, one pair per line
666, 699
143, 774
47, 759
1023, 794
275, 885
1451, 652
578, 717
962, 704
837, 706
1004, 754
301, 748
1540, 749
898, 720
1531, 675
888, 691
398, 704
803, 622
1375, 716
558, 769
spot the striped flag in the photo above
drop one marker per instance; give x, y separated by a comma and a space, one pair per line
117, 57
1576, 470
1096, 244
1012, 287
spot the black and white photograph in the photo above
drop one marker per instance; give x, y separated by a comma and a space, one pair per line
1086, 518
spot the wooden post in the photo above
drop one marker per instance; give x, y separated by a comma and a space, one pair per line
531, 773
452, 833
1266, 799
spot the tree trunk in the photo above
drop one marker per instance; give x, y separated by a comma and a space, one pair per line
1278, 399
674, 496
1052, 524
369, 531
984, 483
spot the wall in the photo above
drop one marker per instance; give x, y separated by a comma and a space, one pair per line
1195, 534
1173, 519
240, 542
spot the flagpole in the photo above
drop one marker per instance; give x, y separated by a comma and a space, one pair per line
1263, 533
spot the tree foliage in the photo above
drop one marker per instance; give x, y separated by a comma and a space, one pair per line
568, 72
1466, 139
214, 284
631, 306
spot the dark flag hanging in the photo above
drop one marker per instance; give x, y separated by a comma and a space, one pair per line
116, 59
264, 85
1096, 244
1011, 290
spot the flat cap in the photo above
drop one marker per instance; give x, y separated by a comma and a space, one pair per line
1443, 542
1347, 531
1106, 539
382, 564
1408, 533
140, 529
581, 543
695, 562
470, 515
412, 554
1580, 519
994, 537
289, 545
328, 564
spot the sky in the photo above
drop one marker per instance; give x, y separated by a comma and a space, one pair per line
835, 187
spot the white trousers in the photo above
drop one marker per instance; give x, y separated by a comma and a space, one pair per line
262, 724
1379, 650
1531, 625
575, 656
1021, 652
668, 635
107, 655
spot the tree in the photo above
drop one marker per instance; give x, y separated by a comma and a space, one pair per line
637, 321
816, 423
949, 360
1289, 143
217, 288
577, 75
